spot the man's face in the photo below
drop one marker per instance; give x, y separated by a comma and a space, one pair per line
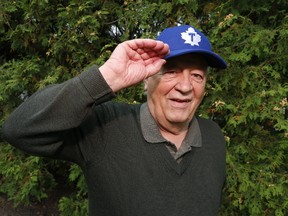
175, 93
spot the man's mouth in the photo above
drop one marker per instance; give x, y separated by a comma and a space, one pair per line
182, 101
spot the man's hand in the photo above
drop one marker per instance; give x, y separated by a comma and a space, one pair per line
133, 61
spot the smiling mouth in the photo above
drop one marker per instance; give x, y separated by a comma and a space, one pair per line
181, 101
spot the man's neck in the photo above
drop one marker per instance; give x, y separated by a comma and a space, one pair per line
174, 135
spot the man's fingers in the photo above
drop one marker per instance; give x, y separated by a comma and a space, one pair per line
155, 67
149, 46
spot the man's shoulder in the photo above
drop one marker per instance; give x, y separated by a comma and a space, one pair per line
209, 126
120, 106
207, 122
113, 108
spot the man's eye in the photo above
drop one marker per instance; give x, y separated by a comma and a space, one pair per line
197, 77
170, 73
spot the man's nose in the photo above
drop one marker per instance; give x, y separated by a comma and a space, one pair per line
184, 83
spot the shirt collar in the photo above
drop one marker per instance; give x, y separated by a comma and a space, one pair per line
152, 134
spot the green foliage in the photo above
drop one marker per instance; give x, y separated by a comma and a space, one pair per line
47, 42
74, 206
78, 204
23, 177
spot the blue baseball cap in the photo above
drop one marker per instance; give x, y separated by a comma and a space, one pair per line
187, 39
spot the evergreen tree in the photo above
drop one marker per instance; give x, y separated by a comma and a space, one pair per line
47, 42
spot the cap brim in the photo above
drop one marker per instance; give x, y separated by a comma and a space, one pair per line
213, 59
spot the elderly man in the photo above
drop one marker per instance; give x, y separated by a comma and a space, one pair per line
152, 159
